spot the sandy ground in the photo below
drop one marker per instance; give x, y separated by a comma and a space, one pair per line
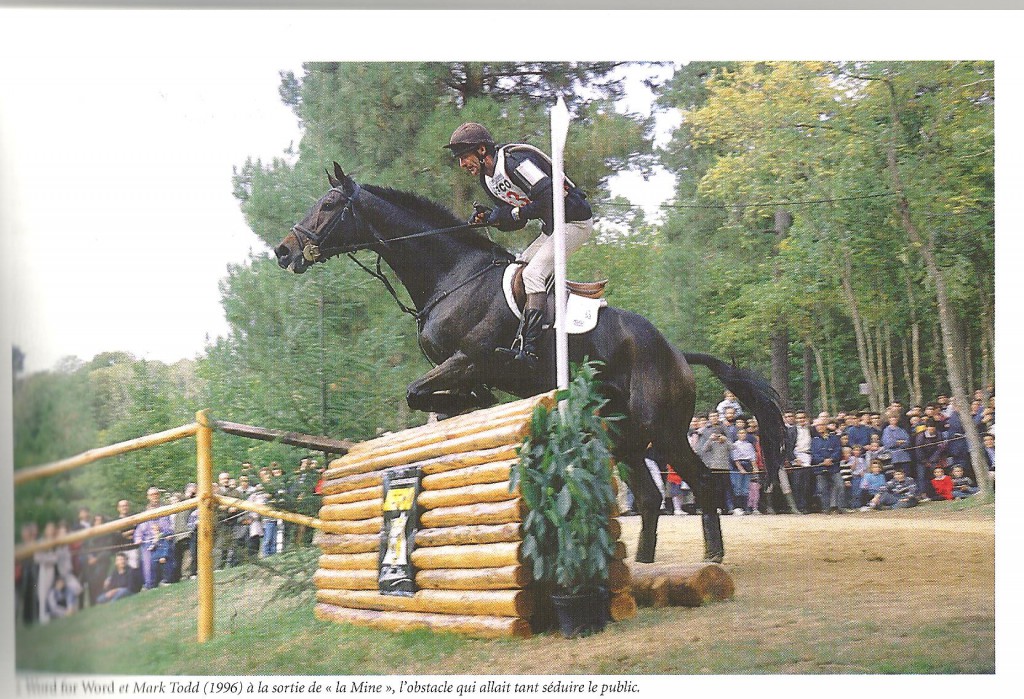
898, 591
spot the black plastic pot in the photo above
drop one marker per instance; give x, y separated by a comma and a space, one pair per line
581, 614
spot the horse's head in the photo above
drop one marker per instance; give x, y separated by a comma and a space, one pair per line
327, 230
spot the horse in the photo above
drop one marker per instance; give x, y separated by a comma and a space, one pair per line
453, 274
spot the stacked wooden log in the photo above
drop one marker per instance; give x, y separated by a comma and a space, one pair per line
470, 576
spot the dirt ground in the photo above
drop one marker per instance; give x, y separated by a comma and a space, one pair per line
909, 591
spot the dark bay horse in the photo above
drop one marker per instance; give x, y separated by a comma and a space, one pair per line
453, 276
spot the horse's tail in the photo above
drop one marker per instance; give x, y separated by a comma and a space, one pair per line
758, 396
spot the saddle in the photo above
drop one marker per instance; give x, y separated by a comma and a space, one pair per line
588, 290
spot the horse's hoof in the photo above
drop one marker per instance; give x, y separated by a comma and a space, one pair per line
714, 558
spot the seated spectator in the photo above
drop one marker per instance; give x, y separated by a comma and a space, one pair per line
900, 492
942, 484
120, 583
871, 485
61, 600
989, 440
962, 485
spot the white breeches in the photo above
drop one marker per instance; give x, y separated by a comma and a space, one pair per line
540, 255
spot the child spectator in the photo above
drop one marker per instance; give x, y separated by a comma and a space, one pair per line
743, 457
858, 469
871, 485
846, 475
942, 484
962, 485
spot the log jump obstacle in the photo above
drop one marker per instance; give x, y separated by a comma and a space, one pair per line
469, 574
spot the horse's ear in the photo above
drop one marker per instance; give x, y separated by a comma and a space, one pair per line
342, 180
331, 180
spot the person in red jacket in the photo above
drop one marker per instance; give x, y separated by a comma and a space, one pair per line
942, 484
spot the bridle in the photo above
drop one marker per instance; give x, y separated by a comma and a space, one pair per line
313, 249
312, 243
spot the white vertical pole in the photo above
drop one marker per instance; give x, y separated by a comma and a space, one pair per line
559, 130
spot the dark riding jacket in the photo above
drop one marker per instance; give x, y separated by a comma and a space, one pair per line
522, 180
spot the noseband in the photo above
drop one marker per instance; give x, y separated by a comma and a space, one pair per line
312, 243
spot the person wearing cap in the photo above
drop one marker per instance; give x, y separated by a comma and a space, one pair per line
517, 178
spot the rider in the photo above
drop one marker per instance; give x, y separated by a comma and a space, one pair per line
517, 177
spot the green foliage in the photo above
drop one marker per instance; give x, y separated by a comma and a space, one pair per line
564, 475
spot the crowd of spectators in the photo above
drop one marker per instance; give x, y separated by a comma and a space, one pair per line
60, 580
859, 460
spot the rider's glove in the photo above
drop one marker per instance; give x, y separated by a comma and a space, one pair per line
502, 218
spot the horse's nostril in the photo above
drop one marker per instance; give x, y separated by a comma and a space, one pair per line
281, 252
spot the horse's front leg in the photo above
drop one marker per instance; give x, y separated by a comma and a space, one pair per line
452, 387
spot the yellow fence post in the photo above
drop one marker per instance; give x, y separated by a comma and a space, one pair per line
204, 530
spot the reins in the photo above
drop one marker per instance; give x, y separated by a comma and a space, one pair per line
311, 243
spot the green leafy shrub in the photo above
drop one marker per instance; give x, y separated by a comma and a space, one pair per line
564, 475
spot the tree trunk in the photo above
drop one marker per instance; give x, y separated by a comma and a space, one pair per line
780, 334
951, 335
863, 342
808, 378
823, 388
889, 372
914, 385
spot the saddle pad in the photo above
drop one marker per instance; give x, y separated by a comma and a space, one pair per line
582, 312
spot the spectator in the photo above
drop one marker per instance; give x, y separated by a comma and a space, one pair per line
931, 454
896, 440
120, 582
61, 600
898, 493
962, 485
729, 424
860, 431
126, 539
989, 441
800, 476
226, 554
183, 535
27, 577
65, 565
874, 481
942, 485
826, 453
743, 458
717, 455
154, 540
729, 401
46, 564
256, 531
857, 464
96, 556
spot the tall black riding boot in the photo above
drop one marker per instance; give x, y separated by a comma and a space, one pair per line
524, 347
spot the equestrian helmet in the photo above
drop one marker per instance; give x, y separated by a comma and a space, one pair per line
468, 137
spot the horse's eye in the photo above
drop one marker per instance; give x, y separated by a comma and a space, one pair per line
328, 204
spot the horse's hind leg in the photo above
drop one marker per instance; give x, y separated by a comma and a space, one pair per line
691, 469
647, 500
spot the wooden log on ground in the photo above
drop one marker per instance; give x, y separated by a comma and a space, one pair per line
623, 606
476, 626
470, 534
482, 513
364, 509
357, 495
346, 543
506, 578
466, 495
469, 556
686, 585
371, 525
496, 472
351, 579
618, 576
511, 603
511, 434
349, 561
521, 409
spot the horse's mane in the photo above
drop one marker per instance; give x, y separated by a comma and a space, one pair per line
434, 214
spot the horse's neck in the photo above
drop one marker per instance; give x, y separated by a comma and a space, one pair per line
424, 265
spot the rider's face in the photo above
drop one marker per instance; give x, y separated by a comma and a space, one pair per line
471, 162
